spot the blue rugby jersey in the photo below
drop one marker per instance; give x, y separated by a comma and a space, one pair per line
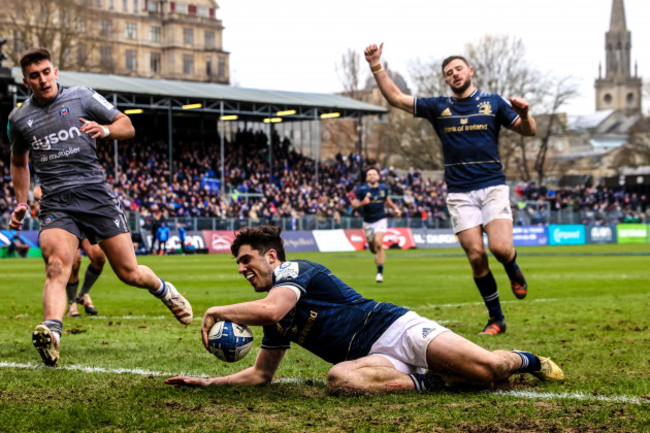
330, 319
469, 131
373, 211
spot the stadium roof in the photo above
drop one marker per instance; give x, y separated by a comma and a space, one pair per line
248, 104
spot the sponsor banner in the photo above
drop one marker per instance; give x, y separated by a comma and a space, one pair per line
524, 236
436, 238
332, 240
399, 237
570, 234
30, 237
218, 241
632, 233
299, 241
192, 238
357, 237
601, 234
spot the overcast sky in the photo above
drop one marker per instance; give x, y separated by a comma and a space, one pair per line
296, 44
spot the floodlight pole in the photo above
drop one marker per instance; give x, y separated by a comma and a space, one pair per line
222, 132
169, 138
115, 149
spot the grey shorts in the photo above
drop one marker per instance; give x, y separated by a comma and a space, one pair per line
90, 211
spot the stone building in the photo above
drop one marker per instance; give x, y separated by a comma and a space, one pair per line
140, 38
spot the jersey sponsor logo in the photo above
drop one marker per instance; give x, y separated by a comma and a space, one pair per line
46, 142
463, 121
485, 107
64, 111
446, 112
103, 101
48, 220
29, 122
286, 271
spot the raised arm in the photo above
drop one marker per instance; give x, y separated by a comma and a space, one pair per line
525, 125
391, 92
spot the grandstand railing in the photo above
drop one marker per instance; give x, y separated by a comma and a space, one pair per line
314, 222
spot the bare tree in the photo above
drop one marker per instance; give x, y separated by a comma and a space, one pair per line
559, 93
350, 71
65, 27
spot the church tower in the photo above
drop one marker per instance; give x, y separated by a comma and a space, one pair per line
619, 89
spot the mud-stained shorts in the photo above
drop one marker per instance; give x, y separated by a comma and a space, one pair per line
90, 211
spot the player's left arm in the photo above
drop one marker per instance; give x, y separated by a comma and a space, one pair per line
267, 311
525, 125
266, 364
393, 206
120, 129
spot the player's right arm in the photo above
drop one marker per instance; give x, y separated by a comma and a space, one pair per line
19, 167
266, 364
387, 87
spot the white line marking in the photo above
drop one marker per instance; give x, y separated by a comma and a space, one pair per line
298, 380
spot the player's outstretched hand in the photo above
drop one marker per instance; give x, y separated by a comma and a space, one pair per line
187, 381
373, 53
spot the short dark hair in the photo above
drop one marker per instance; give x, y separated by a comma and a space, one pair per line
261, 238
450, 59
34, 55
365, 173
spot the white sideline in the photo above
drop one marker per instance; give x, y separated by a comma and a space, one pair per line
297, 380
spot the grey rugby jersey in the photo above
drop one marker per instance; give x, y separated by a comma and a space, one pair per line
63, 157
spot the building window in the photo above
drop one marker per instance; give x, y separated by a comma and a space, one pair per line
19, 41
106, 56
188, 64
202, 11
98, 4
131, 31
155, 34
81, 26
105, 28
209, 40
191, 9
208, 66
152, 6
111, 4
222, 67
135, 6
81, 54
125, 5
608, 98
154, 62
188, 36
131, 60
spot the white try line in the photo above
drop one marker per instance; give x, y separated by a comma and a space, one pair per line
532, 395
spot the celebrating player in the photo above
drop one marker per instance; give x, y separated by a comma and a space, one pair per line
374, 346
478, 199
372, 198
58, 128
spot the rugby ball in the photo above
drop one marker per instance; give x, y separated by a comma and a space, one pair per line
229, 341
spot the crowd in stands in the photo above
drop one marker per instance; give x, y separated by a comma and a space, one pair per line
290, 189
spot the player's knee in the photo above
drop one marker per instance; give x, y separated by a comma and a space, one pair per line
129, 276
54, 267
491, 371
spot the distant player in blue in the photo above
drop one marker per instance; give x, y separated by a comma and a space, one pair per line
181, 237
374, 346
478, 198
162, 236
371, 200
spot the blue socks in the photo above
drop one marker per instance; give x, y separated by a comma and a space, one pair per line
529, 362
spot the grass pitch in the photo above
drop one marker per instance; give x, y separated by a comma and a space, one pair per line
588, 308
